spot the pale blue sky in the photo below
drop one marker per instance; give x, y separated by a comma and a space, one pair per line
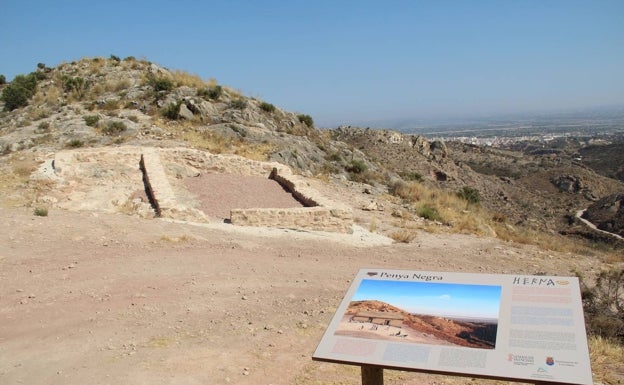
442, 299
348, 62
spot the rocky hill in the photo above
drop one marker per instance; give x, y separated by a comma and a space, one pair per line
462, 333
103, 102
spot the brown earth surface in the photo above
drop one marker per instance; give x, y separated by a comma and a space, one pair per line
219, 193
94, 298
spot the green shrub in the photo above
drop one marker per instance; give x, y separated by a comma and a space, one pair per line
470, 194
428, 212
2, 79
412, 176
115, 58
356, 166
91, 120
44, 126
114, 127
604, 304
17, 93
268, 107
160, 84
77, 85
238, 104
306, 119
213, 93
334, 157
75, 143
172, 111
41, 212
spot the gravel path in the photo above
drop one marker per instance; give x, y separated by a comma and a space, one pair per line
219, 193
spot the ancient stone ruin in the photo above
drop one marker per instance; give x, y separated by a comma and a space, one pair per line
113, 179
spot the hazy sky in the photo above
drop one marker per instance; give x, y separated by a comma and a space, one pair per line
442, 299
348, 62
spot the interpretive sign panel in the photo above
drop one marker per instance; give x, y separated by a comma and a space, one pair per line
489, 325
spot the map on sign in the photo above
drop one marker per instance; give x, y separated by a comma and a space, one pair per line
499, 326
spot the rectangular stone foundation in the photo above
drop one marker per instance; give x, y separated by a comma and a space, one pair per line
305, 218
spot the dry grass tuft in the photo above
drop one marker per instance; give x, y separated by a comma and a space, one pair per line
173, 239
604, 355
116, 85
403, 236
182, 78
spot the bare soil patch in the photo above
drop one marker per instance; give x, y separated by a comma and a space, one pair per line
219, 193
113, 299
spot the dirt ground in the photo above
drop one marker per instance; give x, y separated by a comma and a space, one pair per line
88, 298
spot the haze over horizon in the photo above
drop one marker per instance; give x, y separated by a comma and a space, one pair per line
349, 62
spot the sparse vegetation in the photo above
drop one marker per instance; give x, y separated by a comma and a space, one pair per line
238, 104
114, 127
17, 93
411, 176
91, 120
268, 107
172, 111
40, 212
428, 212
306, 119
403, 236
76, 85
75, 143
110, 105
212, 93
604, 304
160, 83
470, 194
356, 166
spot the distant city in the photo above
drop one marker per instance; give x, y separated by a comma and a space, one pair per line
600, 124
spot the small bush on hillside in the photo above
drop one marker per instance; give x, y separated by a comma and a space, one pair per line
356, 166
2, 80
212, 93
412, 176
75, 143
238, 104
268, 107
306, 119
91, 120
115, 58
111, 105
604, 304
160, 84
77, 85
41, 212
172, 111
17, 93
470, 194
403, 236
428, 212
114, 127
334, 157
44, 126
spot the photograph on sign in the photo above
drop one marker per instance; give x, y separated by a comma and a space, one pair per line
423, 312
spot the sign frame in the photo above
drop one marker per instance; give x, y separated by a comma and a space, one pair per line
510, 327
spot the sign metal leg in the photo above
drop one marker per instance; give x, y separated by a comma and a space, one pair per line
372, 375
